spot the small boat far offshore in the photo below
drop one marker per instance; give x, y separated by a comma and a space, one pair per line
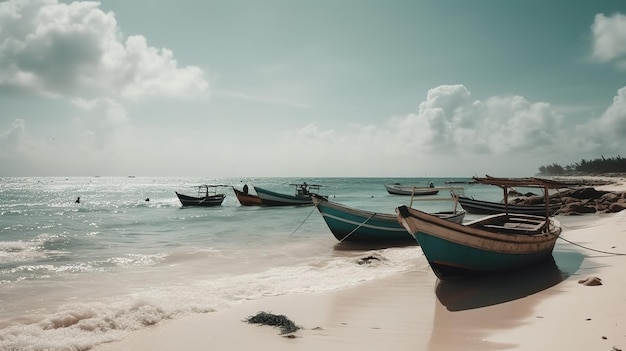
409, 190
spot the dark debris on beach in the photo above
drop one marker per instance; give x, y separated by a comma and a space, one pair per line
285, 324
370, 259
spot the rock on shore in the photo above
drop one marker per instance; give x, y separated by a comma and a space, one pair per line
582, 200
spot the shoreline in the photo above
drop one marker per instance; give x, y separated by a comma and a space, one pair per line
413, 310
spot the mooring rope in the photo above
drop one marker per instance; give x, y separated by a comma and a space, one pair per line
591, 249
357, 228
307, 217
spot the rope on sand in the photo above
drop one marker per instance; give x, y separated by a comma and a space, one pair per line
592, 249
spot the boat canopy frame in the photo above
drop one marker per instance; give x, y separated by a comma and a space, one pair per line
528, 182
306, 188
203, 189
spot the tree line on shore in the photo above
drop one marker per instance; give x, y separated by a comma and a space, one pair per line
586, 167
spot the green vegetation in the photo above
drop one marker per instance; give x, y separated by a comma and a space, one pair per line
586, 167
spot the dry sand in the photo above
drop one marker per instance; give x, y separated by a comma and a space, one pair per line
543, 308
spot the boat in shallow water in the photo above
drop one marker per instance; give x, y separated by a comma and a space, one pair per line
207, 197
361, 226
247, 199
302, 196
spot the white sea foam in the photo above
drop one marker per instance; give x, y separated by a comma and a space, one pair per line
82, 325
21, 251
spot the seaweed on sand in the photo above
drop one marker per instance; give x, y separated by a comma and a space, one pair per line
285, 324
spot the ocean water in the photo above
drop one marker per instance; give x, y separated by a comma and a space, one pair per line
75, 275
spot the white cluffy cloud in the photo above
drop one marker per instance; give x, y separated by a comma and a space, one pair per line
449, 120
608, 132
448, 125
76, 53
609, 39
78, 50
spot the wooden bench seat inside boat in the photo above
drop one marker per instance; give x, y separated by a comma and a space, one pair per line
514, 226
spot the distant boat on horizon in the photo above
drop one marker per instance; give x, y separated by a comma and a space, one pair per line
410, 190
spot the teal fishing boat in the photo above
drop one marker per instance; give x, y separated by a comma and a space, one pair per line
302, 196
361, 226
494, 243
482, 207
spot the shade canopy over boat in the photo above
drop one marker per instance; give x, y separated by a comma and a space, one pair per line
529, 182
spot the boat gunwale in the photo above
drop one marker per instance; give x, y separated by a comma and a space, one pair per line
494, 205
364, 215
272, 198
453, 230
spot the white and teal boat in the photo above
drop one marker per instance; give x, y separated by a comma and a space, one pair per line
495, 243
301, 197
361, 226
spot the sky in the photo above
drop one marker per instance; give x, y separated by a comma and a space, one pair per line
294, 88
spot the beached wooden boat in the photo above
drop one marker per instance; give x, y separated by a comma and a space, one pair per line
498, 242
207, 197
409, 190
302, 196
474, 206
355, 225
247, 199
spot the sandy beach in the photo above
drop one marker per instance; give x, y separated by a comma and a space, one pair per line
544, 307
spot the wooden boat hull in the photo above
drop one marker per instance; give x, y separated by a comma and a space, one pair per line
454, 250
355, 225
206, 201
271, 198
487, 207
409, 190
246, 199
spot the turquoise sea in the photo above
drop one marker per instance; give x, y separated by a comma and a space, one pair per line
75, 275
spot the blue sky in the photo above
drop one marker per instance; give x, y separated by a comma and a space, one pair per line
309, 88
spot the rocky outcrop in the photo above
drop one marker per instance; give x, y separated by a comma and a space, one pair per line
582, 201
590, 200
